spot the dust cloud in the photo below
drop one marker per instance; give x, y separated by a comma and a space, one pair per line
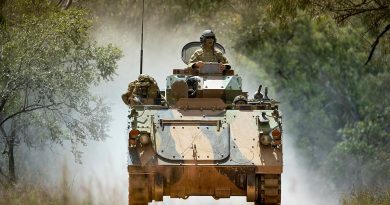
104, 164
299, 185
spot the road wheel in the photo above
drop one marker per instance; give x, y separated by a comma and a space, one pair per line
268, 189
139, 193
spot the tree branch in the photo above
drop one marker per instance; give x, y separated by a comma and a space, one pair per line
29, 109
65, 4
2, 104
10, 87
373, 46
5, 136
348, 12
25, 97
364, 2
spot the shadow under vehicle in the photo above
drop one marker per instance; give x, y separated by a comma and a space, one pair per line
203, 137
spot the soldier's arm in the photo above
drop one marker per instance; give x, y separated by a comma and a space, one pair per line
222, 59
135, 98
194, 59
125, 98
130, 89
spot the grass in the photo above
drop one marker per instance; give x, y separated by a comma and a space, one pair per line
33, 194
24, 193
63, 193
367, 197
38, 194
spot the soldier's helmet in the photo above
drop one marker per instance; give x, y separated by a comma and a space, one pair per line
240, 99
143, 80
207, 34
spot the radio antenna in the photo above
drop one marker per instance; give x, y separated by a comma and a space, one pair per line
142, 37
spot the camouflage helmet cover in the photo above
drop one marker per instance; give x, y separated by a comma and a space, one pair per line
240, 99
207, 33
143, 78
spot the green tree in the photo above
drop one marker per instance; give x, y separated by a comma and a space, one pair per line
374, 16
363, 156
338, 107
48, 65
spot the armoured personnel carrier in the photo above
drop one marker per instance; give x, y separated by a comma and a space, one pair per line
203, 137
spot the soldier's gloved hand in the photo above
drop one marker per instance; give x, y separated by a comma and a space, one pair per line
199, 64
221, 67
137, 100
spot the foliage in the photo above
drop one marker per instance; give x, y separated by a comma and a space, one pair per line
48, 64
366, 142
36, 194
341, 124
374, 16
65, 192
366, 197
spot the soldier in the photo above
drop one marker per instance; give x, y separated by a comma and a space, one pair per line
143, 88
207, 53
126, 97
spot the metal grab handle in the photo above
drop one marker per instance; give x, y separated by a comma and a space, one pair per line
191, 122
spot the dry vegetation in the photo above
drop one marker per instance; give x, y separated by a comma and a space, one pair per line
65, 192
33, 194
367, 197
38, 194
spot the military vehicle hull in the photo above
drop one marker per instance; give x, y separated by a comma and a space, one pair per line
203, 137
154, 182
203, 148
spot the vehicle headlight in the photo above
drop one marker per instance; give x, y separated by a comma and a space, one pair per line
265, 139
134, 133
276, 133
144, 138
276, 136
